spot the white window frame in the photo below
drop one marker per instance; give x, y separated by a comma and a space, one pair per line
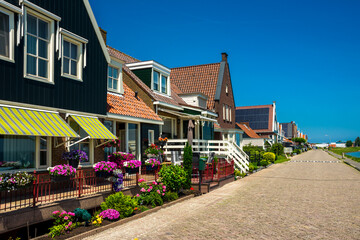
120, 86
51, 47
161, 74
11, 35
48, 153
173, 126
151, 137
79, 55
224, 112
230, 117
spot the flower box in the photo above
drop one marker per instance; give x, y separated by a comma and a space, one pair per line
131, 170
150, 168
58, 179
102, 174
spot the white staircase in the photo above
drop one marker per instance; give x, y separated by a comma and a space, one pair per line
223, 149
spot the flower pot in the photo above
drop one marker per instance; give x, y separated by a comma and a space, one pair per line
74, 163
103, 174
60, 178
131, 170
150, 168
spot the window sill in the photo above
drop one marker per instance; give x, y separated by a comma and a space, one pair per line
71, 77
162, 94
114, 91
38, 79
7, 59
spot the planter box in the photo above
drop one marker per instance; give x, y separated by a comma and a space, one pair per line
60, 178
150, 168
131, 170
101, 174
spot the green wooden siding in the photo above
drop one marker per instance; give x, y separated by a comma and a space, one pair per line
144, 75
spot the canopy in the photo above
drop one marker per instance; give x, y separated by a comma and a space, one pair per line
93, 127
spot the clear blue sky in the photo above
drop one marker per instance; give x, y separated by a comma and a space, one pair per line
305, 55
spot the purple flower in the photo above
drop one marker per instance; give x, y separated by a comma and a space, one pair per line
110, 214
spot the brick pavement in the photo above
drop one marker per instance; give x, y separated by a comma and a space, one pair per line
305, 198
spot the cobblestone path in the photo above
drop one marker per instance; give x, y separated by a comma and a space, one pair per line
314, 196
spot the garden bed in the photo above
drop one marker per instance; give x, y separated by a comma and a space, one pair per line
83, 232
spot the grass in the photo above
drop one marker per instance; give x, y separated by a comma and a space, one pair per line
340, 151
281, 159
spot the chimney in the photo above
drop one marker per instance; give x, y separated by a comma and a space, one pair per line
224, 57
103, 34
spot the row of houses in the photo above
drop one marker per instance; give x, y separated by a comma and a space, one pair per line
64, 88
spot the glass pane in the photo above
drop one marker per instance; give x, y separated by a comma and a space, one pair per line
4, 35
167, 128
156, 80
43, 143
85, 147
31, 44
115, 83
115, 73
16, 152
31, 24
43, 49
73, 68
110, 71
163, 84
43, 159
43, 71
66, 65
66, 49
109, 82
31, 65
74, 50
43, 29
133, 129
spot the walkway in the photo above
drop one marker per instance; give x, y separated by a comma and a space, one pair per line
293, 200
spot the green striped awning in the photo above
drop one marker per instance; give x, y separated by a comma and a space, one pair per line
93, 127
18, 121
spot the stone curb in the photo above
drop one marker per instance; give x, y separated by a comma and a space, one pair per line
125, 220
347, 161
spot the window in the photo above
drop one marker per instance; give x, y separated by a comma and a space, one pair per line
230, 119
227, 89
6, 35
70, 59
113, 78
156, 77
163, 84
43, 151
38, 50
83, 145
227, 112
151, 137
224, 112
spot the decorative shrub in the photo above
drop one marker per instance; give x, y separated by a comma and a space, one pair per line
269, 156
277, 148
123, 204
110, 214
75, 155
62, 170
297, 151
104, 166
173, 176
132, 164
170, 196
62, 224
82, 215
151, 194
188, 155
252, 167
120, 157
13, 181
264, 162
152, 162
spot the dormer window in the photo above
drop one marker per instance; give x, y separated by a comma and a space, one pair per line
163, 84
160, 82
156, 77
115, 77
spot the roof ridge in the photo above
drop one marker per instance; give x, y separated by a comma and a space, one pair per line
197, 65
123, 53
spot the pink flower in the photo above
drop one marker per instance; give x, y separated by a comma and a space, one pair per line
142, 190
149, 190
66, 218
69, 224
163, 194
141, 180
164, 190
158, 191
138, 195
66, 227
55, 212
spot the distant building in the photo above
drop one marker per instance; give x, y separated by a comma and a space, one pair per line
250, 136
262, 119
290, 129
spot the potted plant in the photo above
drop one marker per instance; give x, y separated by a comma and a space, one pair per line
104, 169
120, 157
132, 166
152, 151
162, 141
60, 173
14, 181
74, 157
152, 164
113, 143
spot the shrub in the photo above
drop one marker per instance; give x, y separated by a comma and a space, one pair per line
264, 162
151, 194
170, 196
252, 167
277, 148
188, 155
357, 142
123, 204
348, 143
269, 156
82, 215
173, 176
62, 224
297, 151
238, 173
110, 214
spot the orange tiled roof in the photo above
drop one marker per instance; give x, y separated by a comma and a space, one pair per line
127, 105
287, 140
248, 131
174, 99
199, 78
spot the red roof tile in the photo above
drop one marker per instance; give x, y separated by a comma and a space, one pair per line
199, 78
248, 131
127, 105
120, 55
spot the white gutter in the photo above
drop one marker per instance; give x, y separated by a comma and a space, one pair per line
168, 105
133, 119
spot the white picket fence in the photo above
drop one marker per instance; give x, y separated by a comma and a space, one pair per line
221, 148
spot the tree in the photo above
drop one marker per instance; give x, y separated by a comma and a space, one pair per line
357, 142
188, 155
277, 148
349, 143
299, 140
